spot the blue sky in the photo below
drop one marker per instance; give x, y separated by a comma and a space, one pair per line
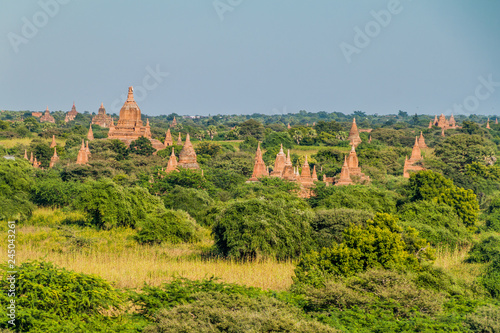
244, 57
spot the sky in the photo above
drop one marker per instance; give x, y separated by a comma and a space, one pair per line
260, 56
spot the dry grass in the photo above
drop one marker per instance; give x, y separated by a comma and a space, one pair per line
115, 256
10, 143
452, 261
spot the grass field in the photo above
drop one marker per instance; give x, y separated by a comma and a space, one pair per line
117, 257
10, 143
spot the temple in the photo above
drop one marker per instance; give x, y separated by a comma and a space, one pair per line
354, 138
102, 119
415, 157
179, 140
279, 164
53, 159
259, 169
443, 123
47, 118
421, 141
90, 134
71, 114
172, 162
187, 156
168, 139
83, 156
130, 126
174, 122
53, 143
488, 124
345, 177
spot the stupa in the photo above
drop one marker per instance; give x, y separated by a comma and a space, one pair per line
179, 140
102, 119
172, 162
168, 139
53, 144
421, 141
130, 126
354, 138
82, 157
187, 156
410, 163
345, 178
53, 159
259, 169
279, 164
90, 134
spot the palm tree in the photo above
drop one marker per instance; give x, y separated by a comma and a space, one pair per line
297, 136
212, 130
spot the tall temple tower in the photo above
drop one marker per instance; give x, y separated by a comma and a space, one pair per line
354, 138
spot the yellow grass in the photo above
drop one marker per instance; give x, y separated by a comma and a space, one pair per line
452, 261
10, 143
116, 257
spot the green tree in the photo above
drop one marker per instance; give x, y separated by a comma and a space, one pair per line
171, 226
208, 148
257, 228
142, 146
252, 128
194, 201
212, 130
31, 123
16, 181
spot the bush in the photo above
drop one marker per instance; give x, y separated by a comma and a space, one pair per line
368, 198
109, 205
172, 226
191, 200
328, 225
46, 295
485, 251
491, 279
258, 227
54, 192
379, 244
438, 223
485, 319
15, 185
216, 312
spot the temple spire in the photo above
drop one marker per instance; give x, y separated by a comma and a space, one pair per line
130, 97
90, 134
53, 144
25, 154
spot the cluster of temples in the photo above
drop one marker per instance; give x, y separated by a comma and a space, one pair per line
187, 157
71, 114
443, 123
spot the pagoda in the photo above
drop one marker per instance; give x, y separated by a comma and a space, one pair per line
102, 119
71, 114
174, 122
187, 156
354, 138
53, 144
288, 171
90, 134
172, 162
130, 126
421, 141
354, 169
279, 164
83, 156
47, 118
345, 178
53, 159
259, 169
415, 157
168, 139
179, 140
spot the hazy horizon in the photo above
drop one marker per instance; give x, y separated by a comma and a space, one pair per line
240, 57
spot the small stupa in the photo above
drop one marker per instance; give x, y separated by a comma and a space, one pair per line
259, 169
53, 143
82, 157
354, 138
90, 134
53, 159
168, 139
172, 162
187, 156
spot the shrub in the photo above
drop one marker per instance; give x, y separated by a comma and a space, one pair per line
46, 295
15, 185
485, 319
328, 225
216, 312
191, 200
109, 205
491, 278
436, 222
262, 228
53, 192
379, 244
485, 251
172, 226
368, 198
